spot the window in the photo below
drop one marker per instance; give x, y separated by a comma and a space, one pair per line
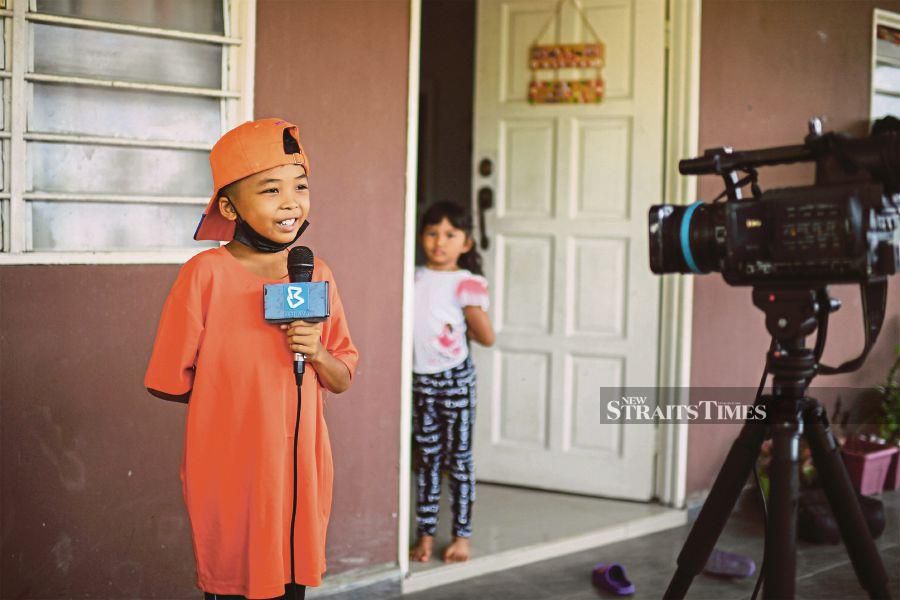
110, 110
886, 65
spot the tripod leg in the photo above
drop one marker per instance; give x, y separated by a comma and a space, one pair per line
781, 535
739, 463
844, 504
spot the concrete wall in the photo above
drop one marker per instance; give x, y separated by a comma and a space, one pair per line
765, 68
91, 501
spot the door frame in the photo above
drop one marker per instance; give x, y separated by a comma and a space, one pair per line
676, 291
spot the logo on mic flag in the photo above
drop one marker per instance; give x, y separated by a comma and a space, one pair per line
295, 296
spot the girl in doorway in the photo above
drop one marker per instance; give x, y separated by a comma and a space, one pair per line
451, 300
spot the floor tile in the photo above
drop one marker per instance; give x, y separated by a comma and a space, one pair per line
824, 572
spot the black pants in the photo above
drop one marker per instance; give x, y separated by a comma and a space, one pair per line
443, 419
291, 591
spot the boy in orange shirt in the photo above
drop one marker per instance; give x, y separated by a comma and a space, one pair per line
258, 498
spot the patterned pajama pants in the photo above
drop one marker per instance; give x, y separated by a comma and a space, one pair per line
443, 416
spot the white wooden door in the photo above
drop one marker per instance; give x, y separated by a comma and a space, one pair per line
574, 303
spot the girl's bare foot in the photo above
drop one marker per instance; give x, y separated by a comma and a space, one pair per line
421, 552
457, 551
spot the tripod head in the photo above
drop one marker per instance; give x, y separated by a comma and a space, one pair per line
792, 314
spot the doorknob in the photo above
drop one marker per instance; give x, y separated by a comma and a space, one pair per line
485, 201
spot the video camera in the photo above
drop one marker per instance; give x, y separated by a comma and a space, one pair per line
845, 228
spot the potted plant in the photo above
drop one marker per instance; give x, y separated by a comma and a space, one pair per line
889, 419
872, 460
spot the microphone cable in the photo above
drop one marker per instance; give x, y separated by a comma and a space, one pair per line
301, 264
294, 503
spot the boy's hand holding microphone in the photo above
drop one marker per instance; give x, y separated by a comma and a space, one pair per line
304, 337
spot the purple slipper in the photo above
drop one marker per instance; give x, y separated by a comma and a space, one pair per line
729, 564
612, 578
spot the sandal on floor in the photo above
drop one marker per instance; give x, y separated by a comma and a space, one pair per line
729, 564
612, 578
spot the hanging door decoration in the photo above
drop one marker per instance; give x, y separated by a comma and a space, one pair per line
566, 56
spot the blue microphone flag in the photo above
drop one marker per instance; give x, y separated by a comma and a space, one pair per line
285, 302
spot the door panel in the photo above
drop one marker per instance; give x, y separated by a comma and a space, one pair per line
575, 306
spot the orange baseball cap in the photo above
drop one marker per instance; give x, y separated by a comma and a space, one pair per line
247, 149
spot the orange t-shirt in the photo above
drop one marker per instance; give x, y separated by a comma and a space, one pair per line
237, 468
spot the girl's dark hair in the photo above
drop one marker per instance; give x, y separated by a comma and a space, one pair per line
461, 219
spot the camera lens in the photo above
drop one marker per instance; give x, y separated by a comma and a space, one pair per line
683, 238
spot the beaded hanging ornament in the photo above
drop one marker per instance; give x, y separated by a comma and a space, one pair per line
566, 56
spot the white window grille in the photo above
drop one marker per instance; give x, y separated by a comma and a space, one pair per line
885, 65
110, 108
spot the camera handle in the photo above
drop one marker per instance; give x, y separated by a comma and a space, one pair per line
874, 306
734, 183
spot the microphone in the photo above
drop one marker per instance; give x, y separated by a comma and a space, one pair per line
300, 270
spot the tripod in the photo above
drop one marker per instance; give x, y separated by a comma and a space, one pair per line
791, 315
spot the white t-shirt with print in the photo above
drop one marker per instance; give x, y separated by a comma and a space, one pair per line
439, 332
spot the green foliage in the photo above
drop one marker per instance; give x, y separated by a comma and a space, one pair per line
889, 413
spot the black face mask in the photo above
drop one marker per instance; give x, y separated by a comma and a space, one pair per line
246, 235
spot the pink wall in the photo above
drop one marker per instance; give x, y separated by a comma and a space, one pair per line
339, 70
91, 502
765, 68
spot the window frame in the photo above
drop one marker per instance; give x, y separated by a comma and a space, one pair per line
890, 19
236, 98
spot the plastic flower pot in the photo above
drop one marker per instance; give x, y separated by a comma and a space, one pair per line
868, 464
892, 479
